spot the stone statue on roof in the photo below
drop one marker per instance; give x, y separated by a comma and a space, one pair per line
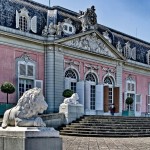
88, 19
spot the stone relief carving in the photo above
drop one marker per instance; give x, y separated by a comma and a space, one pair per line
68, 27
71, 64
129, 52
90, 43
108, 71
119, 47
106, 36
25, 113
53, 29
25, 57
45, 31
88, 19
73, 100
91, 68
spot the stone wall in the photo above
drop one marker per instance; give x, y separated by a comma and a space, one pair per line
54, 120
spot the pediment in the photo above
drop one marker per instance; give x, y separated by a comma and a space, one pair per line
92, 42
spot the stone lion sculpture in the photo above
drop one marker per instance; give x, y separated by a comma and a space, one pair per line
25, 113
72, 100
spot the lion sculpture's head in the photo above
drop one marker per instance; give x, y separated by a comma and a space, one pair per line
32, 103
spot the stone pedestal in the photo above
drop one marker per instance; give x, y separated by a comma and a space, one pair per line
71, 111
30, 138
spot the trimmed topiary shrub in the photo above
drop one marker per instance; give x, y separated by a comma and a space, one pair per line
8, 88
129, 100
67, 93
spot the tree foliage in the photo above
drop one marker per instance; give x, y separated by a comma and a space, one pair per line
129, 100
8, 88
67, 93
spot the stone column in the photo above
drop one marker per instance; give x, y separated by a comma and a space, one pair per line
54, 77
49, 78
119, 83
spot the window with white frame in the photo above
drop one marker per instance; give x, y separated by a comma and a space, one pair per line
130, 91
71, 78
108, 81
24, 22
26, 76
90, 77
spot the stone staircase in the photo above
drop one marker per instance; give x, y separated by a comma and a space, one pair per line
108, 126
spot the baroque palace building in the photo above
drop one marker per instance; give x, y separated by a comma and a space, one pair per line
56, 49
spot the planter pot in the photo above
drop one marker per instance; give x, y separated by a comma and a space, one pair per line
4, 107
128, 113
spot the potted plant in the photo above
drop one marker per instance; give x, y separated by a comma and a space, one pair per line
8, 88
129, 102
67, 93
128, 112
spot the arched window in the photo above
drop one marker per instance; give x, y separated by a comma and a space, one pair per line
70, 80
90, 77
108, 81
70, 74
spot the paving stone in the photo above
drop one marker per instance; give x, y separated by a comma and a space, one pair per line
86, 143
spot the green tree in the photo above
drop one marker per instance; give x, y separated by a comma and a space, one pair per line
67, 93
129, 101
8, 88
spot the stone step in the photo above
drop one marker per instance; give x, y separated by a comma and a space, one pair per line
109, 126
106, 135
116, 121
106, 130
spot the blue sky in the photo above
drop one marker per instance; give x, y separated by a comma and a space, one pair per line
128, 16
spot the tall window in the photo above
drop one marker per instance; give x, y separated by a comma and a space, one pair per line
26, 76
130, 91
92, 81
109, 82
71, 77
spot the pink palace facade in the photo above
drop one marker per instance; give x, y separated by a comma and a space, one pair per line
57, 49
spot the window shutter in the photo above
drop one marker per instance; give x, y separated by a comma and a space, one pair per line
106, 106
87, 95
148, 103
133, 53
99, 97
38, 84
116, 99
17, 19
34, 24
67, 83
22, 69
125, 97
80, 91
138, 103
148, 88
30, 70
